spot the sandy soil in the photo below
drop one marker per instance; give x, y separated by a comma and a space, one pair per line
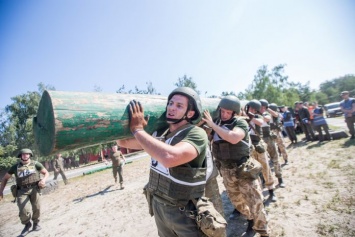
317, 201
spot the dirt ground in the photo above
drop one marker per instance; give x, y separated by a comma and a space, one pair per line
318, 199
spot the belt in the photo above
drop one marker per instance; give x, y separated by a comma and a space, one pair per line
27, 186
234, 164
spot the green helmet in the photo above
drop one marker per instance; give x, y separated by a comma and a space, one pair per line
255, 104
25, 151
230, 102
264, 103
273, 107
194, 98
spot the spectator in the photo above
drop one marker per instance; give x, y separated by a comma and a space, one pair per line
347, 105
320, 123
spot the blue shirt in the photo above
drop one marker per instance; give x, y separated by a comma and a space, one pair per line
347, 104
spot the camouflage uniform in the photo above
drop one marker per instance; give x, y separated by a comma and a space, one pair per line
245, 194
271, 147
275, 128
58, 165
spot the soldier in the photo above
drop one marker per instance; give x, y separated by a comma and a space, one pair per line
259, 151
118, 160
275, 125
28, 181
59, 168
178, 152
270, 142
231, 148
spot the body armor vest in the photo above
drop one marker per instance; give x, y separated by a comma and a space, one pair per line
227, 152
27, 174
275, 123
179, 184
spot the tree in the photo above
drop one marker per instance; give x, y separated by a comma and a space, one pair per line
16, 122
332, 88
150, 90
187, 82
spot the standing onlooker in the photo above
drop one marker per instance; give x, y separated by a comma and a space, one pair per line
305, 121
289, 124
59, 168
319, 122
118, 160
28, 181
347, 105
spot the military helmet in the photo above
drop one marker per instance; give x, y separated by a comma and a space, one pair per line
230, 102
24, 151
193, 97
264, 103
255, 104
273, 107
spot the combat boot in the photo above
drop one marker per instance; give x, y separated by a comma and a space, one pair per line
26, 230
234, 214
36, 227
250, 231
121, 186
272, 195
281, 183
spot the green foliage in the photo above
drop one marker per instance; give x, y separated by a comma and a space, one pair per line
7, 162
187, 82
332, 88
150, 90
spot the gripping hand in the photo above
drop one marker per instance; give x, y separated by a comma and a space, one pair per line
136, 116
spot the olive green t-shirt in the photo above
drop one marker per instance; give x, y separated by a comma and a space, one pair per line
194, 135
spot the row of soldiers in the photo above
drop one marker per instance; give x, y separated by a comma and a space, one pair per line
241, 139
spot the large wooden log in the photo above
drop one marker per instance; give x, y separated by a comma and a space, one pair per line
71, 120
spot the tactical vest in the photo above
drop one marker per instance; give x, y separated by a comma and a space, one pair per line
255, 133
227, 152
178, 184
27, 174
275, 124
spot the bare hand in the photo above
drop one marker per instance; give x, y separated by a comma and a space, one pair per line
207, 118
136, 114
42, 183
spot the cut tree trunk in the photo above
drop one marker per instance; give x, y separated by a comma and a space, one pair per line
71, 120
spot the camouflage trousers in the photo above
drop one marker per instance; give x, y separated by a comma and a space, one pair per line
274, 156
247, 198
27, 198
281, 144
212, 192
264, 161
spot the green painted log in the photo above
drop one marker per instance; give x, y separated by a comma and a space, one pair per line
71, 120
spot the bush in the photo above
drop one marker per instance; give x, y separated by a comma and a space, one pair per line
7, 162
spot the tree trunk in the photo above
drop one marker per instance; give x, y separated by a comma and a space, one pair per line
71, 120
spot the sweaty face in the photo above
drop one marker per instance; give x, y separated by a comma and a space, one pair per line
226, 114
177, 107
25, 156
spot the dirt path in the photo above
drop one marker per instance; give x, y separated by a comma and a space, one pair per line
317, 201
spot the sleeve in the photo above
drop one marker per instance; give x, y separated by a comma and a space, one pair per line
12, 170
198, 138
39, 166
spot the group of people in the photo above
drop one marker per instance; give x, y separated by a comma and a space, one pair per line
239, 138
310, 117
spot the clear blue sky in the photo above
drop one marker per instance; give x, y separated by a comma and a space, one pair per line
77, 45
